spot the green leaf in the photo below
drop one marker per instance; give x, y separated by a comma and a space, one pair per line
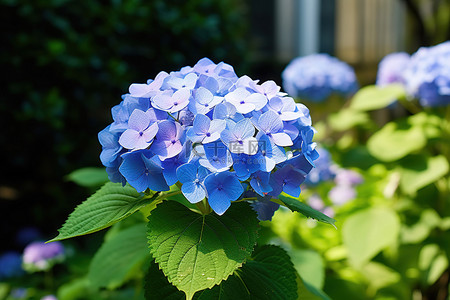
298, 206
118, 257
157, 287
89, 177
396, 140
309, 292
346, 119
379, 276
197, 251
268, 274
373, 97
309, 266
369, 231
418, 171
108, 205
433, 262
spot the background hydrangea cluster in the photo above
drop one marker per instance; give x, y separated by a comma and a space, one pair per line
391, 68
426, 74
318, 76
213, 133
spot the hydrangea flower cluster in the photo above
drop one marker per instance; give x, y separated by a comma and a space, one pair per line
39, 256
318, 76
428, 75
10, 265
324, 170
391, 68
344, 190
316, 202
211, 132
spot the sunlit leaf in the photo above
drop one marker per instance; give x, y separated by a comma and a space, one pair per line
197, 251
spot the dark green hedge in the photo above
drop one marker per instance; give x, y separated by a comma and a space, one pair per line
67, 62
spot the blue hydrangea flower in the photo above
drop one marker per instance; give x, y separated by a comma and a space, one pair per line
391, 68
192, 178
270, 124
287, 179
39, 256
239, 138
27, 235
316, 77
259, 181
214, 134
324, 168
428, 75
222, 188
217, 157
204, 100
204, 130
265, 208
10, 265
110, 147
143, 171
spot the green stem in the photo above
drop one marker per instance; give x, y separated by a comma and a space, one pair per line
163, 196
204, 207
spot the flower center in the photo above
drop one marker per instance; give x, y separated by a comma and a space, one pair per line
208, 134
173, 142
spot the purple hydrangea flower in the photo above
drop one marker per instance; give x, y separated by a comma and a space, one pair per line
391, 68
49, 297
344, 191
169, 139
211, 133
10, 265
428, 75
317, 203
316, 77
140, 133
348, 177
341, 194
39, 256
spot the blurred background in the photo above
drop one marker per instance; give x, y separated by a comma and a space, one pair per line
65, 63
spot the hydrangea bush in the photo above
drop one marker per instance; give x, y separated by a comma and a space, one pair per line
318, 76
427, 76
226, 150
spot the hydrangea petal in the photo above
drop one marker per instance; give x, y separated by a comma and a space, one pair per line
193, 192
